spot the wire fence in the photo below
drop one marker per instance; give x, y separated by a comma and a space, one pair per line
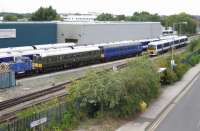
43, 121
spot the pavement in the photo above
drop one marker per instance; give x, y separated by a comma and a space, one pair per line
184, 116
159, 109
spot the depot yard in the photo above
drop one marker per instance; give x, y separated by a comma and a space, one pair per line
29, 85
139, 66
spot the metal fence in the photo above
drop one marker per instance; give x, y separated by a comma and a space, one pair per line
43, 121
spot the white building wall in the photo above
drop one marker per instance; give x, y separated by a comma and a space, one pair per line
92, 33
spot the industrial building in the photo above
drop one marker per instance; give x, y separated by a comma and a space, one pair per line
98, 32
27, 33
30, 33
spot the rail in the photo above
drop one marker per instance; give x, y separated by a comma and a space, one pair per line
18, 100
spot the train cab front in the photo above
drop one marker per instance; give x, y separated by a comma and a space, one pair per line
151, 50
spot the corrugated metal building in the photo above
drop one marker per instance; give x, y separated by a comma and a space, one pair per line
27, 33
98, 32
7, 79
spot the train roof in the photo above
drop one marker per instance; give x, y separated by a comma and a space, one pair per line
58, 45
182, 37
4, 55
11, 49
67, 51
15, 53
121, 43
33, 52
168, 37
160, 42
150, 40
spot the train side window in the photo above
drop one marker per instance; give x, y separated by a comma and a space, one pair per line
61, 58
159, 46
166, 44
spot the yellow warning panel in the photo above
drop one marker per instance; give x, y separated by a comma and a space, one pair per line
37, 65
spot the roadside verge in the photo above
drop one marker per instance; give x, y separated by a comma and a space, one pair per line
154, 114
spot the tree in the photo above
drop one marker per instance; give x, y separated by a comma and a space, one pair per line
145, 16
120, 17
10, 18
105, 17
45, 14
98, 92
118, 93
177, 21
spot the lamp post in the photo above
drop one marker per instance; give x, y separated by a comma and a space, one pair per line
172, 47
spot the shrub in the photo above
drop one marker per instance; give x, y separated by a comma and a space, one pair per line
180, 70
180, 67
70, 118
194, 45
97, 92
194, 59
117, 93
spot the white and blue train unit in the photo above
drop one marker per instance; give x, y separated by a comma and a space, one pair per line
158, 47
51, 57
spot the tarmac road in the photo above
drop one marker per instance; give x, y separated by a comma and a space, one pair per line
185, 116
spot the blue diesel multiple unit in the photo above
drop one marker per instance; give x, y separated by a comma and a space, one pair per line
14, 34
21, 66
123, 49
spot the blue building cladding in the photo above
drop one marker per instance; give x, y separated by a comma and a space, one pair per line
29, 33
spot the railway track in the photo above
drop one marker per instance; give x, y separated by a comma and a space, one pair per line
18, 100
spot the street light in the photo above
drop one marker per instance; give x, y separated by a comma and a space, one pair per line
172, 47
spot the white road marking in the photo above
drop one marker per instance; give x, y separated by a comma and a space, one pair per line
161, 118
172, 105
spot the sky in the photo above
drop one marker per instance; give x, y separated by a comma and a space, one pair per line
127, 7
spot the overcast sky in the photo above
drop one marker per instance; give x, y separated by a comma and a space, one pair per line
162, 7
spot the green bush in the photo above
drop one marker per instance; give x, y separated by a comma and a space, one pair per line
180, 67
194, 59
142, 83
70, 118
180, 70
168, 77
97, 92
194, 45
116, 93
